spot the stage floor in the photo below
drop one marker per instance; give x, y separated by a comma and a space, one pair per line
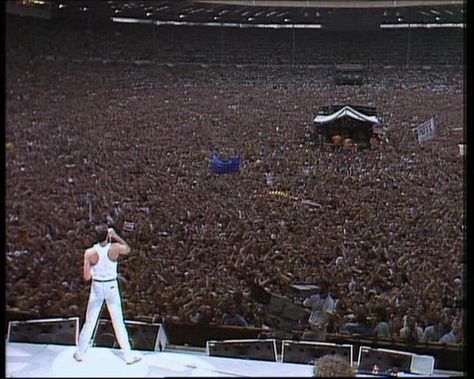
40, 360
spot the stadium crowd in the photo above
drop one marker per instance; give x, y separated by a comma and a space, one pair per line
88, 142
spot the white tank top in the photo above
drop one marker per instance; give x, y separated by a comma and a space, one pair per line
104, 269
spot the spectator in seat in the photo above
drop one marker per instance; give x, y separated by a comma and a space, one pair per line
382, 328
432, 332
197, 317
232, 318
361, 325
411, 332
454, 335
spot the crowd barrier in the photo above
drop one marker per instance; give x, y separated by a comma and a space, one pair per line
197, 335
263, 350
153, 336
307, 352
447, 356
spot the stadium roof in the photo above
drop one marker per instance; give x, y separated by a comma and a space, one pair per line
370, 13
352, 4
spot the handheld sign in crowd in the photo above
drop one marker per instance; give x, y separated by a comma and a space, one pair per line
426, 130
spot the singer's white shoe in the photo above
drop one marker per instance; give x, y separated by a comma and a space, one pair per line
78, 357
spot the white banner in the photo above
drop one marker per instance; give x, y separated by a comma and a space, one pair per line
426, 130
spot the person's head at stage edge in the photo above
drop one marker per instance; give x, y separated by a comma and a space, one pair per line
332, 365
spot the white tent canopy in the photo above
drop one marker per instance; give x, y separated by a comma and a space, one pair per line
346, 111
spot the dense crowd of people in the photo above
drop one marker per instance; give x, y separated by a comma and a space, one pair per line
129, 145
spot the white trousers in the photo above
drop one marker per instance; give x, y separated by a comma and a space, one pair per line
109, 292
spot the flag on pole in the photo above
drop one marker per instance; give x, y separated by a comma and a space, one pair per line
426, 130
220, 166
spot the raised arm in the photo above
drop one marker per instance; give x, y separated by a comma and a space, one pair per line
118, 243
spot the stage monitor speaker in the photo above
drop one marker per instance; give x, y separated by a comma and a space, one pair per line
283, 307
422, 364
307, 352
386, 361
60, 331
142, 335
263, 350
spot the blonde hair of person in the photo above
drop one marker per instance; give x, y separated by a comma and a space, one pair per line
333, 366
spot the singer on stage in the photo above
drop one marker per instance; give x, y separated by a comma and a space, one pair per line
100, 265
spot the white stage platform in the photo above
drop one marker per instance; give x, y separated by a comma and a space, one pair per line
37, 360
40, 360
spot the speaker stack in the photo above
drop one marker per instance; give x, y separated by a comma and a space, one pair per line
307, 352
61, 331
264, 350
142, 335
385, 361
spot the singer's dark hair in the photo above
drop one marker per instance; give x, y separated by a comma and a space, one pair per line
101, 232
